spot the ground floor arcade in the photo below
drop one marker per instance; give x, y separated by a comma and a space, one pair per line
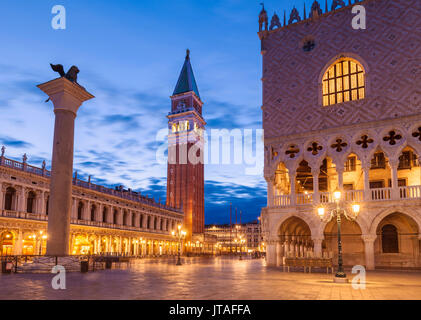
30, 238
387, 239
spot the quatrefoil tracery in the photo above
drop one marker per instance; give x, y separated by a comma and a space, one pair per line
365, 141
292, 151
417, 134
315, 148
339, 145
392, 138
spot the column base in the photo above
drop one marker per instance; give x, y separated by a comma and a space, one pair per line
340, 280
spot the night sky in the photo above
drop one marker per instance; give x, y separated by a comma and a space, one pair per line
130, 54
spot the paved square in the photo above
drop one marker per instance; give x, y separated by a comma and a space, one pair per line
212, 278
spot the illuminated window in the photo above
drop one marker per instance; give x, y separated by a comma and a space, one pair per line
343, 81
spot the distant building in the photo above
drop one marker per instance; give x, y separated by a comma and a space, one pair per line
103, 220
245, 237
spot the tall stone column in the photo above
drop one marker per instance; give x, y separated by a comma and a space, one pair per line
19, 244
340, 172
22, 200
316, 194
2, 196
270, 195
369, 251
279, 253
394, 177
271, 253
366, 171
292, 176
317, 247
67, 97
42, 203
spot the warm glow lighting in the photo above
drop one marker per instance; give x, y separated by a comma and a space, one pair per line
173, 233
337, 195
356, 208
179, 227
321, 212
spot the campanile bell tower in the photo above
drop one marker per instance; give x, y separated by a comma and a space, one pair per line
185, 177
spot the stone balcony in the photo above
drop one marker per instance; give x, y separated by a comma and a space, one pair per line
121, 193
357, 196
76, 222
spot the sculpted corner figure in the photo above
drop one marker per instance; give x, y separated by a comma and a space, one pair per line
71, 75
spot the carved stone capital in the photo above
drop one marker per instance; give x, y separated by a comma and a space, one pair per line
369, 237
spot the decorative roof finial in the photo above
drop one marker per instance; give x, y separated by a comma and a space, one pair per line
285, 18
315, 11
294, 16
275, 22
3, 150
187, 54
263, 19
305, 14
43, 165
326, 9
337, 3
24, 158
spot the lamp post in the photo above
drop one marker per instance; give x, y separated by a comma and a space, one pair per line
242, 242
179, 234
340, 275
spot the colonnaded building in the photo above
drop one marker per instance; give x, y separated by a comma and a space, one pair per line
342, 110
105, 220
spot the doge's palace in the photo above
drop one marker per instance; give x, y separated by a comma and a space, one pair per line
341, 111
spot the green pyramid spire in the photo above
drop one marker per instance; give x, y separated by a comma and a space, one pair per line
186, 81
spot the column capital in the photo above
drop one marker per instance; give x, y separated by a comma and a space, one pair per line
65, 94
394, 163
315, 172
317, 239
365, 165
369, 237
339, 167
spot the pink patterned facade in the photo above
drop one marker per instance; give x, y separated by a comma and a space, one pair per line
341, 112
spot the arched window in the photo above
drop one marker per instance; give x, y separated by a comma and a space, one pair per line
104, 214
9, 198
155, 223
141, 221
93, 211
30, 202
80, 210
148, 224
133, 219
125, 218
390, 242
343, 81
115, 217
46, 205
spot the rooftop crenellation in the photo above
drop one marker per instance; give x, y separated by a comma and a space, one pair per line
295, 16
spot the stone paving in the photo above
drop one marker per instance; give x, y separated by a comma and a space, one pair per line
208, 279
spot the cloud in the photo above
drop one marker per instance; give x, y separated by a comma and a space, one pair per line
11, 142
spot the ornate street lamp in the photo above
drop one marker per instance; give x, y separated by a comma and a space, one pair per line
351, 215
180, 235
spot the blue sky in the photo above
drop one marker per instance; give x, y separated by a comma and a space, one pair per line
130, 54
